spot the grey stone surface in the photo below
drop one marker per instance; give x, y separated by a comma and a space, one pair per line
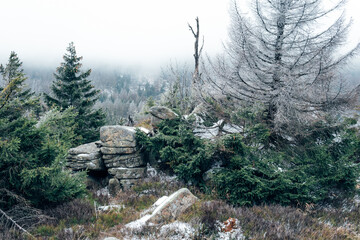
125, 161
84, 149
173, 207
117, 136
96, 165
128, 173
117, 151
162, 112
86, 156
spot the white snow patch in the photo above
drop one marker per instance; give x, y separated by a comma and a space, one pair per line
144, 130
160, 200
83, 155
230, 128
177, 231
110, 207
337, 138
139, 223
103, 191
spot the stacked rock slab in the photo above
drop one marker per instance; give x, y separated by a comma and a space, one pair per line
87, 156
124, 163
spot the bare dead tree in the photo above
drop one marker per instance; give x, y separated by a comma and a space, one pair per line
197, 52
286, 56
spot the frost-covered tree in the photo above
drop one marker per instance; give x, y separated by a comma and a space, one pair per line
286, 55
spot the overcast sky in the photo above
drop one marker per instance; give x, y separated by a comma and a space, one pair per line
148, 33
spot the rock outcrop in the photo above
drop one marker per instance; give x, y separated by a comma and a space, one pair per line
116, 153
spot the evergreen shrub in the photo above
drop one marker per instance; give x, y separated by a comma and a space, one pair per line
178, 149
319, 166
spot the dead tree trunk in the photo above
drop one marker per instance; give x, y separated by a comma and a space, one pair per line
197, 53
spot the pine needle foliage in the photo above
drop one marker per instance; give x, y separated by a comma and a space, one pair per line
32, 153
72, 88
322, 166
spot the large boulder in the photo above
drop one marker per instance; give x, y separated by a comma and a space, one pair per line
160, 113
166, 209
173, 206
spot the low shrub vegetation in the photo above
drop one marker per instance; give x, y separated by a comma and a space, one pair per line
320, 166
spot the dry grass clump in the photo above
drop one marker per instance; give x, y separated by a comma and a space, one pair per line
77, 211
277, 222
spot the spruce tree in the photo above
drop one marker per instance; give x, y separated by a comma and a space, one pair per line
71, 88
32, 153
14, 88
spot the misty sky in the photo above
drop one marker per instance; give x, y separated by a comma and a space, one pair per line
147, 33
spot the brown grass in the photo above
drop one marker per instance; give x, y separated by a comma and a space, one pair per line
258, 222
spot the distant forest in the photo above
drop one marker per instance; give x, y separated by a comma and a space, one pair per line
122, 93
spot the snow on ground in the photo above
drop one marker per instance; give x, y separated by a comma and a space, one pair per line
177, 231
138, 224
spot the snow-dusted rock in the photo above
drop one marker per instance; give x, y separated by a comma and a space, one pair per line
166, 209
173, 206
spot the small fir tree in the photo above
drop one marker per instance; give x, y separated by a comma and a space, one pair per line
71, 88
